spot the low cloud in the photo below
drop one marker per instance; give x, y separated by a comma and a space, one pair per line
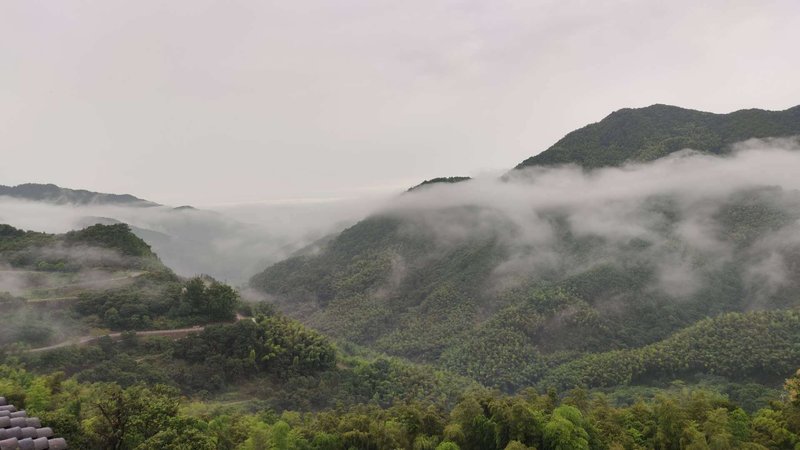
230, 243
670, 211
668, 207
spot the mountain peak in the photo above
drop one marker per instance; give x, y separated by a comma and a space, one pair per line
645, 134
439, 180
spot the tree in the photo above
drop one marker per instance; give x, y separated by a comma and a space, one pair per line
565, 430
423, 442
221, 301
739, 425
127, 417
525, 425
259, 438
187, 439
692, 438
37, 396
279, 436
670, 423
769, 430
717, 430
792, 387
516, 445
447, 445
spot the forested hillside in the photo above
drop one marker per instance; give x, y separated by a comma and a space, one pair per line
645, 134
390, 284
564, 278
150, 416
649, 306
187, 239
103, 277
243, 363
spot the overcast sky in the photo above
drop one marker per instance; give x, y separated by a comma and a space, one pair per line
213, 102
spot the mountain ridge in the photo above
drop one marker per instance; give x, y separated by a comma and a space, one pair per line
505, 292
52, 193
645, 134
439, 180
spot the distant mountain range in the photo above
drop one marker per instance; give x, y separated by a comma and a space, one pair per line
51, 193
190, 240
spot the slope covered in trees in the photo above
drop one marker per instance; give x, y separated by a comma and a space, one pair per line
509, 283
612, 308
645, 134
270, 362
390, 283
95, 247
53, 287
141, 417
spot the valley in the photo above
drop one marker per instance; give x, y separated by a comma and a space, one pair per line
597, 301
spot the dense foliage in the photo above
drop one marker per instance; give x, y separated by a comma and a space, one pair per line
759, 345
105, 415
389, 283
15, 239
274, 344
273, 359
151, 302
663, 322
111, 247
102, 277
115, 237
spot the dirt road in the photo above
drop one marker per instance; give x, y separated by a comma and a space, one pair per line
175, 332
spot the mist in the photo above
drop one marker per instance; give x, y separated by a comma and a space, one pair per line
38, 283
618, 205
666, 214
229, 242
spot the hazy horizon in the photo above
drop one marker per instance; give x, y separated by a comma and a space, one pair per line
216, 103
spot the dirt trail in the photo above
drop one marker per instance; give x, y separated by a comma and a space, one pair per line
52, 299
88, 339
175, 332
130, 276
101, 281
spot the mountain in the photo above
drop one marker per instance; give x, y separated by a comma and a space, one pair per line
650, 306
439, 180
506, 315
58, 285
106, 318
513, 282
645, 134
54, 194
190, 240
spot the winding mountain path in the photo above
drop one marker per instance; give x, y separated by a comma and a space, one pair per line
88, 339
174, 332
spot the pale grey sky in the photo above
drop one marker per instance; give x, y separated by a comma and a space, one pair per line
209, 102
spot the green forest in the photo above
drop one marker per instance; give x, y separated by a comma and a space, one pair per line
665, 319
599, 317
154, 415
